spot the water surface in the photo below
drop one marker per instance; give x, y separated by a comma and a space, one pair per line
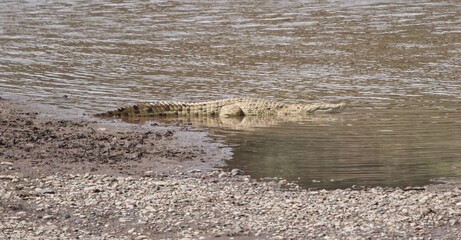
396, 63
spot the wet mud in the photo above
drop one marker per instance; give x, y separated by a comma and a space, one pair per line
33, 143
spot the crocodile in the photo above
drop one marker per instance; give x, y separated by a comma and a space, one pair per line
225, 108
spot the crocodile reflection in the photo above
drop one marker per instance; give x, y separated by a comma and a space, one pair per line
236, 123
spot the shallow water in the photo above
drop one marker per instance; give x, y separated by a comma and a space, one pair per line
358, 148
396, 63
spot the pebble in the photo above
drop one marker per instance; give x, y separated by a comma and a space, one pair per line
44, 190
47, 217
207, 205
7, 177
237, 231
236, 171
185, 188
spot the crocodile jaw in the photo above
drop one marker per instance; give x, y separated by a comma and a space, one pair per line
331, 108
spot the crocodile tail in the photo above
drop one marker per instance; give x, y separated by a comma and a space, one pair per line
147, 110
120, 112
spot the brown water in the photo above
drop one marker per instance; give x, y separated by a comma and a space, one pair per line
396, 63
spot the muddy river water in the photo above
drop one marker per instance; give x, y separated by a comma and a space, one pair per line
397, 64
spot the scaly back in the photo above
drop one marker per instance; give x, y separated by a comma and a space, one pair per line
249, 107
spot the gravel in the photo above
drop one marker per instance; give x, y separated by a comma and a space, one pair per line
196, 205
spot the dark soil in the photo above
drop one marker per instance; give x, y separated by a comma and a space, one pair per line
33, 144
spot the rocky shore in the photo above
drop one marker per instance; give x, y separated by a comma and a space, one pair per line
84, 179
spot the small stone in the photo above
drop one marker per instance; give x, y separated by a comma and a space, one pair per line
7, 177
237, 231
160, 183
223, 174
6, 163
29, 146
45, 190
227, 231
123, 220
47, 217
236, 171
185, 188
424, 199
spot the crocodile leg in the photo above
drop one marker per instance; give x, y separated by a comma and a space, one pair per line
232, 110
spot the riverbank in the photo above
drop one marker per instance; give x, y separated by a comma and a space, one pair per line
42, 141
81, 178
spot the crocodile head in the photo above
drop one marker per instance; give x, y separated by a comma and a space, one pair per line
326, 107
